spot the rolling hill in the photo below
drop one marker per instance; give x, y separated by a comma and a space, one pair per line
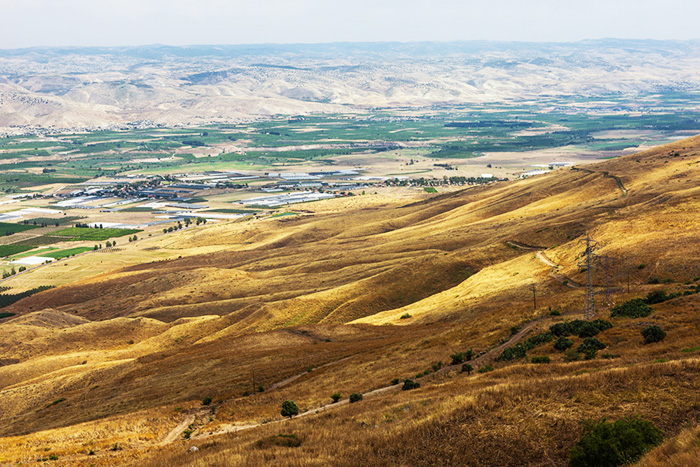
300, 307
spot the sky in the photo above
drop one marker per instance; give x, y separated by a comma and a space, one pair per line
29, 23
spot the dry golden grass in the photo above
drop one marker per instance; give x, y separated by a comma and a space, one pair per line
256, 302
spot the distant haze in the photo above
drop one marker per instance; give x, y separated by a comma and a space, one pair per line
28, 23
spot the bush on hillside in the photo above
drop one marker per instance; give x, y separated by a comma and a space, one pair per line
289, 409
635, 308
355, 397
512, 353
580, 328
467, 368
335, 397
589, 347
563, 343
544, 359
409, 384
538, 339
610, 444
653, 334
659, 296
461, 357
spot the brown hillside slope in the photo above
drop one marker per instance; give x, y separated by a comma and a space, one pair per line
455, 272
352, 265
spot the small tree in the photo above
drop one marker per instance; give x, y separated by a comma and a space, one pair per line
355, 397
562, 344
336, 397
653, 334
289, 409
466, 367
609, 444
409, 384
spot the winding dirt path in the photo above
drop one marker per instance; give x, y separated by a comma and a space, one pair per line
481, 360
542, 258
177, 432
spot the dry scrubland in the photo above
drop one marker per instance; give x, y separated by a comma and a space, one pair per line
345, 301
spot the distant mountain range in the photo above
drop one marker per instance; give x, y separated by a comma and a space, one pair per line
164, 85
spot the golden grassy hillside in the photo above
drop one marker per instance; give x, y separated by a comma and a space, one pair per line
345, 301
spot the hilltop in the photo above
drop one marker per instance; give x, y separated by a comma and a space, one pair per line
347, 300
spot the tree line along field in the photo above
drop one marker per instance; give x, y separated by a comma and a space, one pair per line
92, 234
457, 132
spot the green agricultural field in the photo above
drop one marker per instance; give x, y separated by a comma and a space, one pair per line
35, 252
9, 228
13, 249
90, 234
68, 252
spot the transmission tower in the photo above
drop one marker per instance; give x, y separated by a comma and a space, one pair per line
589, 263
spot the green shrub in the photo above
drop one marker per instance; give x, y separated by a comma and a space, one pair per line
409, 384
635, 308
601, 324
461, 357
206, 401
485, 369
538, 339
580, 328
355, 397
544, 359
562, 344
289, 409
395, 381
590, 343
653, 334
659, 296
336, 397
653, 280
467, 368
436, 366
512, 353
405, 316
610, 444
609, 355
589, 347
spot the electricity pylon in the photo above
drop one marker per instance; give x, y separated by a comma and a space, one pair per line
589, 263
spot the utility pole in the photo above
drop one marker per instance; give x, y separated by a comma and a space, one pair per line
534, 297
589, 264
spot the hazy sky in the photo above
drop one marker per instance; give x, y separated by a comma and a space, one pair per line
25, 23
